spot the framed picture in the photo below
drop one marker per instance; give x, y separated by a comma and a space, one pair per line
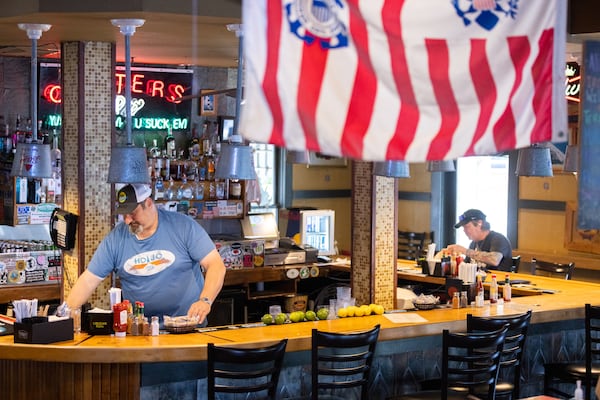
207, 103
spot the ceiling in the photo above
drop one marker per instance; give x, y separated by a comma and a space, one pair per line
175, 32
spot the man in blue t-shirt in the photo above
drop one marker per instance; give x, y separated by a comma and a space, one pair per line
164, 259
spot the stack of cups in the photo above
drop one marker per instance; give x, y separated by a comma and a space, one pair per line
343, 299
115, 296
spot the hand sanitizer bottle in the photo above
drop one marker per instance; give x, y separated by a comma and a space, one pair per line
578, 391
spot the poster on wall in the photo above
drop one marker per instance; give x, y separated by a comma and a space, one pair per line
154, 98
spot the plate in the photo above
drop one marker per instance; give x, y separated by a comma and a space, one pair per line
292, 273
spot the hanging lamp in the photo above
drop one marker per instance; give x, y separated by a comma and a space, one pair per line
534, 160
128, 164
33, 160
392, 169
441, 166
236, 160
571, 163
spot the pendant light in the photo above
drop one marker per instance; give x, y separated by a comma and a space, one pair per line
236, 159
392, 169
32, 160
128, 164
571, 163
534, 160
441, 166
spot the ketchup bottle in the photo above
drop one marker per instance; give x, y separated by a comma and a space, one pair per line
120, 319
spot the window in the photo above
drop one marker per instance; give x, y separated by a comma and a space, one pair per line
265, 163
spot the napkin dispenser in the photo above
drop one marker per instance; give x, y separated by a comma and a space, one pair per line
39, 330
99, 322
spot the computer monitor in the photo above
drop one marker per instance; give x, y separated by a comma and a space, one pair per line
317, 229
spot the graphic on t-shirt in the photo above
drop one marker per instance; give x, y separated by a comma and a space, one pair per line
149, 262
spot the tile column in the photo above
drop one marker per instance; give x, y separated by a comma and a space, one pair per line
374, 236
87, 121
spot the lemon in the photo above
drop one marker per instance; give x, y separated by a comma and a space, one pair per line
267, 319
322, 313
352, 310
311, 315
378, 309
280, 319
342, 312
366, 309
359, 312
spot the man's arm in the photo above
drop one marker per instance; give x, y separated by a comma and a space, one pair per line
213, 282
83, 289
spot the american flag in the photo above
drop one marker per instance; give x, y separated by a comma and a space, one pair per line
410, 80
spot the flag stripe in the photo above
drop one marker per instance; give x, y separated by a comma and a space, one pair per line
542, 78
269, 83
485, 88
439, 67
362, 101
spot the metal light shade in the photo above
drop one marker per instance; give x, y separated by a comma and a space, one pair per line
32, 160
392, 169
298, 157
235, 162
534, 161
128, 165
571, 163
441, 166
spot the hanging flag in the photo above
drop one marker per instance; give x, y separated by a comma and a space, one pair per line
410, 80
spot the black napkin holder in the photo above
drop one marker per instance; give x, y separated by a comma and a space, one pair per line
38, 330
425, 268
99, 323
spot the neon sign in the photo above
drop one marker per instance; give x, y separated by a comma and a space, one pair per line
573, 82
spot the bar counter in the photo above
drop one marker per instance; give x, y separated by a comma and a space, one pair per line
556, 313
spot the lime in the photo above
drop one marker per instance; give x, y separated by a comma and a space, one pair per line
322, 313
310, 315
267, 319
280, 319
296, 316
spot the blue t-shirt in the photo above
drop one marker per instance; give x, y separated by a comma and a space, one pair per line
163, 271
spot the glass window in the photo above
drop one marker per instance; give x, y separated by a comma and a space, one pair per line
482, 183
265, 165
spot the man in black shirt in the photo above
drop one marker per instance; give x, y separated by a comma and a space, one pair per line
488, 247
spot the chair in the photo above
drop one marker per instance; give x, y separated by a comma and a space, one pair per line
341, 361
547, 268
516, 262
411, 244
470, 360
242, 370
508, 385
587, 371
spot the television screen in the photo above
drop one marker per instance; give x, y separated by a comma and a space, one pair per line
317, 229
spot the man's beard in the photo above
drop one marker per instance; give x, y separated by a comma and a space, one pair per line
135, 228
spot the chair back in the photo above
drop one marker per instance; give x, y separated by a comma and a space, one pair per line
342, 361
539, 267
592, 345
514, 343
516, 262
411, 245
244, 370
471, 360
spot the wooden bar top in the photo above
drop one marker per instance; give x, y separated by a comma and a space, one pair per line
565, 303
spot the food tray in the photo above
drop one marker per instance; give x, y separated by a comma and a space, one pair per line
424, 306
180, 329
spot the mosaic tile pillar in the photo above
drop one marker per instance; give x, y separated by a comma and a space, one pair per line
87, 120
374, 237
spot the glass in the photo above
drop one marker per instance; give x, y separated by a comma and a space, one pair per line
275, 310
76, 315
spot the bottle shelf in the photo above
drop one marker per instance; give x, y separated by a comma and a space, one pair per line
209, 209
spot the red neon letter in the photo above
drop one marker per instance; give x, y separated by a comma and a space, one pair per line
137, 83
155, 88
120, 82
52, 93
175, 92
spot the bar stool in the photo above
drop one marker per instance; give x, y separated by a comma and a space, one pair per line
587, 371
470, 360
341, 361
243, 370
548, 268
508, 385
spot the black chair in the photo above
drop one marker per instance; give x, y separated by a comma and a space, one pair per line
548, 268
587, 371
243, 370
411, 244
470, 360
516, 262
341, 361
508, 385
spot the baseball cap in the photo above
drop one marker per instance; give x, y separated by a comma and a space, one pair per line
468, 216
129, 196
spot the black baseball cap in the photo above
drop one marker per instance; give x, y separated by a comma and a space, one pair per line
129, 196
468, 216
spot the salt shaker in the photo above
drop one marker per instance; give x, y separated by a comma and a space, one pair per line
464, 301
154, 326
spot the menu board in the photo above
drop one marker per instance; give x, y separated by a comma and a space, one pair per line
589, 141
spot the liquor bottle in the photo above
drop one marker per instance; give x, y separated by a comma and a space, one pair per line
507, 290
159, 188
170, 144
56, 159
171, 192
235, 189
494, 290
185, 191
199, 188
195, 145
